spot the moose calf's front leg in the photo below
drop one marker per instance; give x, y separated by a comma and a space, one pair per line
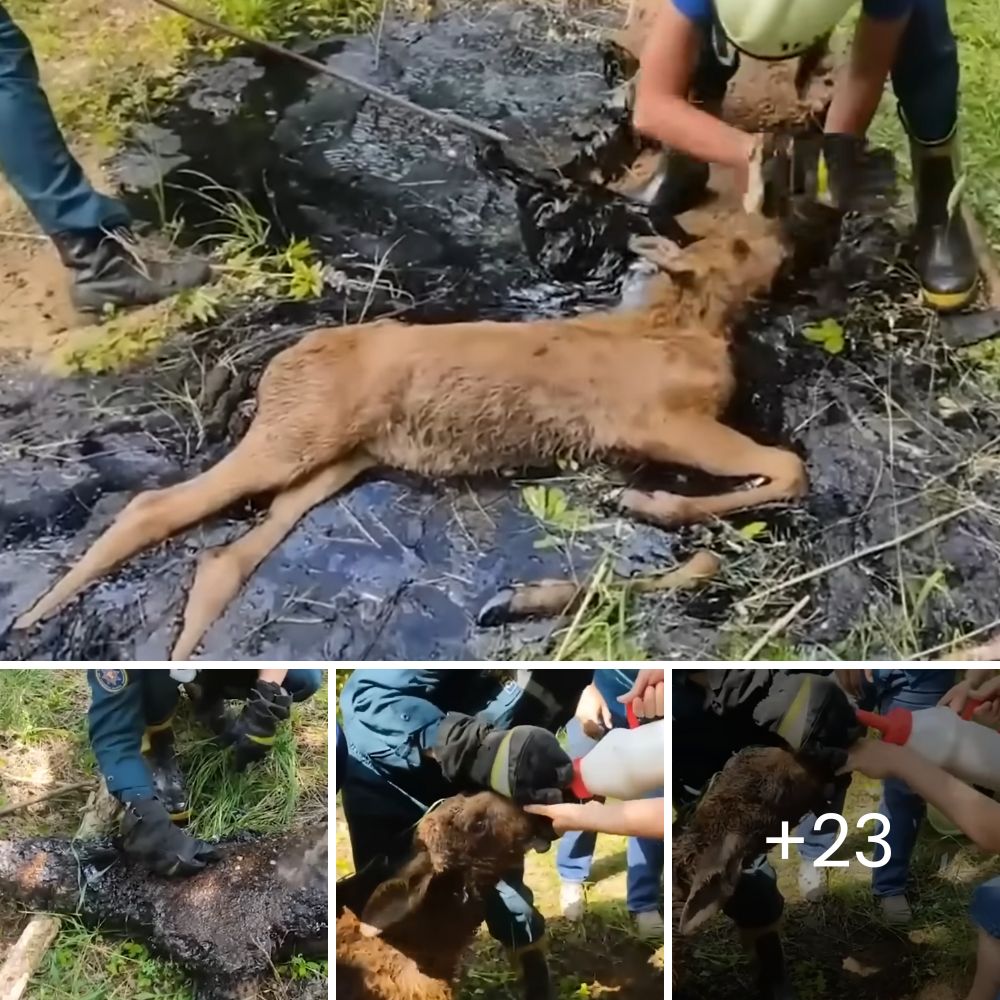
720, 451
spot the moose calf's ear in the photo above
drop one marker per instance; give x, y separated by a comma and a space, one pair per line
713, 883
398, 897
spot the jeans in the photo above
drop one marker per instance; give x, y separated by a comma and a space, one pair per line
33, 154
643, 855
925, 75
985, 907
905, 810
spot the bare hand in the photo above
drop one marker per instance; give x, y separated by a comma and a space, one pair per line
852, 681
872, 757
592, 712
957, 696
988, 714
571, 815
646, 695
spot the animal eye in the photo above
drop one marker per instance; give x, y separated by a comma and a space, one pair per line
478, 825
741, 249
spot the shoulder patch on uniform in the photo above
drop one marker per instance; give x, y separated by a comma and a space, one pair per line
111, 681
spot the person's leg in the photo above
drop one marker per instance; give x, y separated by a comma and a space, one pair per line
575, 853
913, 690
756, 907
514, 921
38, 165
813, 880
644, 856
303, 684
925, 78
985, 912
160, 696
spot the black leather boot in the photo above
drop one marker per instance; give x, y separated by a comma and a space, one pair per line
946, 261
108, 271
533, 971
772, 973
169, 785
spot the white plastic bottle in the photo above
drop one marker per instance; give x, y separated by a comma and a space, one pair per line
626, 764
965, 749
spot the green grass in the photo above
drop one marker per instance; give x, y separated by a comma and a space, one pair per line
43, 719
930, 959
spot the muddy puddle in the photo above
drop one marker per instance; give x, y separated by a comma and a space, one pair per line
397, 568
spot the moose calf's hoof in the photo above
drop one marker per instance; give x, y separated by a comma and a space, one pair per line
497, 610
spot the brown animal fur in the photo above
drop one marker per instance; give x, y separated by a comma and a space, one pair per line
756, 791
416, 926
461, 398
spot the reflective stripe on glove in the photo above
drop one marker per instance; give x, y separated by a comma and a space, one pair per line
150, 837
252, 733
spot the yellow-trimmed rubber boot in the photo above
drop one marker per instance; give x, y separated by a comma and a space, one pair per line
168, 778
946, 261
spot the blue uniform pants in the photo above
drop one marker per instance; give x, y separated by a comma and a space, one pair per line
643, 855
924, 78
985, 907
905, 810
125, 703
33, 154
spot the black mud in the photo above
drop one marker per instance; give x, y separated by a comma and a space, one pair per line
397, 568
227, 925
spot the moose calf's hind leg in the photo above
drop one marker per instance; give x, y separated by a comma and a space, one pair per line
222, 571
720, 451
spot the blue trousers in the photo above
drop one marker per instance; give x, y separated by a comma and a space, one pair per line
924, 78
985, 906
124, 703
33, 154
905, 810
381, 814
643, 855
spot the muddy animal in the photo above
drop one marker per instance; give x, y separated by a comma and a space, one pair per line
648, 382
757, 790
226, 925
415, 927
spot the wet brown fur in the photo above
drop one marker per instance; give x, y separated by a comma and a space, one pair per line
415, 928
756, 791
649, 383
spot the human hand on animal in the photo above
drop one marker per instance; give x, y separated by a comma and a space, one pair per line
592, 713
646, 695
636, 818
149, 835
251, 734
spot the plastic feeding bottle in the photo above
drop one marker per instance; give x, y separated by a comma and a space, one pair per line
626, 764
965, 749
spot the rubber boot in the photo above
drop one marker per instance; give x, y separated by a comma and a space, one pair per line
946, 261
107, 271
168, 779
533, 972
772, 973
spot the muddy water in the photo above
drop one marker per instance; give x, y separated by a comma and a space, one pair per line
397, 568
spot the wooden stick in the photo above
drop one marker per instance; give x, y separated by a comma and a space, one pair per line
984, 254
871, 550
44, 797
774, 628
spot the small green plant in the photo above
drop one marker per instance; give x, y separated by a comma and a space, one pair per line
551, 507
829, 335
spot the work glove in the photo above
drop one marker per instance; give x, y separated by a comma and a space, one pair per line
813, 715
794, 173
524, 763
251, 733
149, 836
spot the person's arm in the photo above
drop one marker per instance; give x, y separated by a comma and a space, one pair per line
977, 816
635, 818
662, 109
859, 89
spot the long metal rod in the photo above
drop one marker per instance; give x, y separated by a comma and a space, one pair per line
451, 119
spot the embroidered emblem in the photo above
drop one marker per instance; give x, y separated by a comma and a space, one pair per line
111, 681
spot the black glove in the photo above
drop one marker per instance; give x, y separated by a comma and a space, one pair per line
525, 763
251, 734
835, 170
812, 715
149, 836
